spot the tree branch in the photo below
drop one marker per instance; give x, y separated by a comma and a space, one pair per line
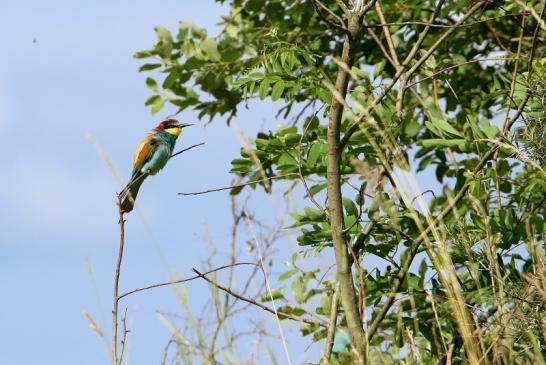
331, 327
239, 185
341, 27
335, 207
260, 305
183, 280
436, 25
116, 285
187, 149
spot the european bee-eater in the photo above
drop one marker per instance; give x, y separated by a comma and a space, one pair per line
151, 156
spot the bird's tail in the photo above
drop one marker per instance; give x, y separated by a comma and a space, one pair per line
129, 193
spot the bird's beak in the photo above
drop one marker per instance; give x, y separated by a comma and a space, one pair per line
184, 125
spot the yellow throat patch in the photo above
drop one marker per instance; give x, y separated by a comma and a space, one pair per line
174, 131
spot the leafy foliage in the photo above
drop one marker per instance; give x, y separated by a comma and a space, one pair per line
452, 123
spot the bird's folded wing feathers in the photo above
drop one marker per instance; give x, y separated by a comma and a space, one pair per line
143, 153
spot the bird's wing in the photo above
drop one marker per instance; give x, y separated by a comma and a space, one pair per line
143, 153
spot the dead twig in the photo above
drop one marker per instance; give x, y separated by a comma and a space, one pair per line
239, 185
187, 149
260, 305
183, 280
116, 285
124, 336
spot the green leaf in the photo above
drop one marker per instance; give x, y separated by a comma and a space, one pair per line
413, 282
157, 105
489, 129
315, 189
241, 165
278, 88
431, 62
412, 128
326, 302
275, 294
361, 73
143, 54
438, 142
210, 47
164, 45
149, 66
379, 67
151, 83
299, 290
314, 154
264, 89
350, 207
314, 214
152, 99
445, 126
288, 274
324, 95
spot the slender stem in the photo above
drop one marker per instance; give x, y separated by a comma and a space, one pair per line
331, 327
340, 27
437, 25
116, 285
124, 336
187, 149
257, 304
159, 285
514, 75
394, 57
457, 65
240, 185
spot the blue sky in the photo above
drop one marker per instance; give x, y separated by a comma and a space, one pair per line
66, 72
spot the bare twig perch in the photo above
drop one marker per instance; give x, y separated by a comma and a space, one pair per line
116, 284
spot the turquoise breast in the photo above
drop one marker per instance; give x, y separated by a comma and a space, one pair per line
164, 143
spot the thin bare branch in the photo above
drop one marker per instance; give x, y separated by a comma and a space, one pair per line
239, 185
260, 305
124, 336
172, 282
341, 27
538, 18
514, 75
388, 37
116, 285
534, 44
437, 25
395, 60
343, 6
187, 149
331, 327
521, 107
456, 66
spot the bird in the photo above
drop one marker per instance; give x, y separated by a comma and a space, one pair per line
151, 156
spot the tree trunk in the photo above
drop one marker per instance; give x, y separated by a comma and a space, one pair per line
335, 206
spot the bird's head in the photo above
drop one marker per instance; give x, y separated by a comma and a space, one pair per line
171, 126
